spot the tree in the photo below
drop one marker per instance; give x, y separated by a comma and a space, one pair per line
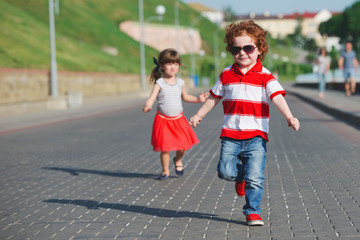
229, 14
346, 25
334, 56
332, 27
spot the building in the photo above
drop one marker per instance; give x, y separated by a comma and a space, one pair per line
281, 25
211, 14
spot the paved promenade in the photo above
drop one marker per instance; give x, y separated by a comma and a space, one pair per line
90, 173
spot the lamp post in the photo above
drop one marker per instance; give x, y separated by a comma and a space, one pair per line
216, 53
53, 65
54, 102
176, 13
192, 56
160, 10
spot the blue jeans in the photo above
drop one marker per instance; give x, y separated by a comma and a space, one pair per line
322, 82
245, 160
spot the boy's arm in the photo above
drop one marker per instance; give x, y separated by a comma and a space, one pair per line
150, 101
356, 64
284, 109
209, 104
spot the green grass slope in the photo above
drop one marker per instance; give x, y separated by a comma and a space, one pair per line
83, 27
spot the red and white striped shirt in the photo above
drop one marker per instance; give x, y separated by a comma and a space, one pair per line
245, 100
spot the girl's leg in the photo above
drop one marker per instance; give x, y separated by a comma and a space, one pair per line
177, 159
165, 157
322, 82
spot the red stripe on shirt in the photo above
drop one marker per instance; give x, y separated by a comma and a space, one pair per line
214, 95
243, 134
277, 93
241, 107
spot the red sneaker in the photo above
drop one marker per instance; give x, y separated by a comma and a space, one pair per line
240, 188
254, 220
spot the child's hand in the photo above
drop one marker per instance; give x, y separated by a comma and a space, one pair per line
203, 96
147, 108
195, 120
294, 123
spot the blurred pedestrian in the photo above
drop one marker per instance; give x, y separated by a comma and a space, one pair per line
349, 64
323, 63
245, 87
171, 131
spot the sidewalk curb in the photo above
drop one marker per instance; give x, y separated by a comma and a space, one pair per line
348, 117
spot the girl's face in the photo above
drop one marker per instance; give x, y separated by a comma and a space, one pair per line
171, 69
247, 57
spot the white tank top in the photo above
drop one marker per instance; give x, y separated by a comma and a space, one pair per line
169, 97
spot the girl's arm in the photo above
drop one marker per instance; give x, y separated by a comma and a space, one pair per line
209, 104
193, 99
283, 108
150, 101
327, 65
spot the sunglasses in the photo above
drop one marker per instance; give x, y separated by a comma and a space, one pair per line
248, 49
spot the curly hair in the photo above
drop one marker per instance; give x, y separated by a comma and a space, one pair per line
250, 28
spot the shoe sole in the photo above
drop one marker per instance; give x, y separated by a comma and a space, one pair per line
162, 177
256, 223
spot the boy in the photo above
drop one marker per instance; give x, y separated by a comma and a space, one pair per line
245, 87
349, 64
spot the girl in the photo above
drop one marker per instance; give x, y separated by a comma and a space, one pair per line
323, 62
171, 131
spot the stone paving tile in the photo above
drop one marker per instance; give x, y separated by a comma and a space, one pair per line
95, 178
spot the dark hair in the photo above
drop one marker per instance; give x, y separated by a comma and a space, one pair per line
250, 28
320, 50
168, 55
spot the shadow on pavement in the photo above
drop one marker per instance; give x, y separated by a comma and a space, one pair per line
318, 120
77, 171
158, 212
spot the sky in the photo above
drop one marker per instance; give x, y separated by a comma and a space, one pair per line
275, 7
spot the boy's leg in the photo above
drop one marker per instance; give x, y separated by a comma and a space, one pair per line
254, 160
347, 76
229, 165
347, 89
352, 85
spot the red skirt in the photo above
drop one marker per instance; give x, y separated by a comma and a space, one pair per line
172, 134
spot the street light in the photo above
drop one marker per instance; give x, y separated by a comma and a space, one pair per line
216, 53
177, 23
160, 11
192, 56
53, 65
